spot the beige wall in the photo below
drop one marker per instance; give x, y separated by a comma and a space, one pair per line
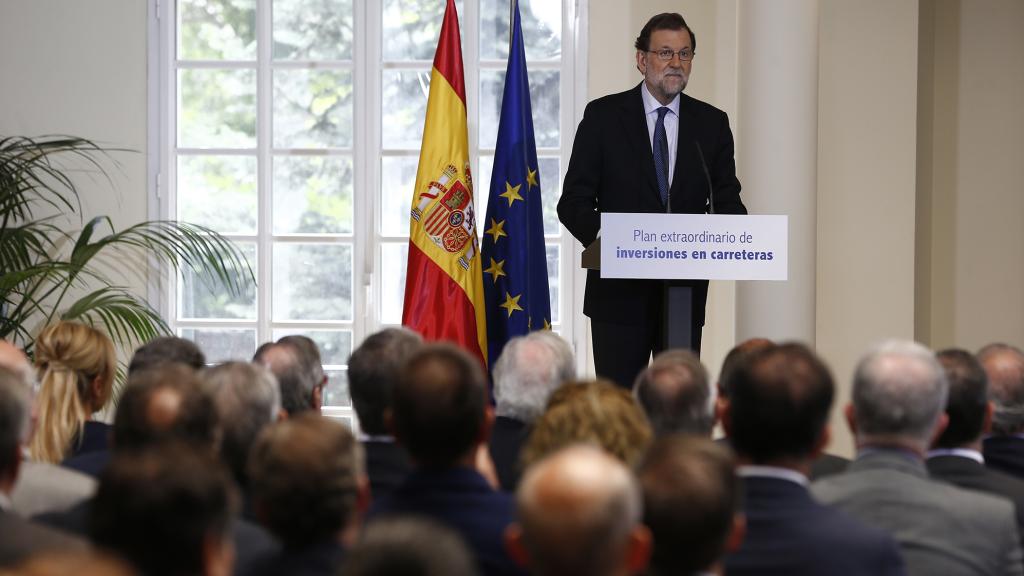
971, 174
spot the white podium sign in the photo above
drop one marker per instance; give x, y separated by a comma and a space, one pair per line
694, 246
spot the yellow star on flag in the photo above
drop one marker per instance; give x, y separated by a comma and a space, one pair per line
547, 325
511, 304
531, 178
496, 269
512, 193
496, 230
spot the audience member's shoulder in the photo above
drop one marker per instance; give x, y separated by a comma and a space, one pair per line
44, 487
22, 538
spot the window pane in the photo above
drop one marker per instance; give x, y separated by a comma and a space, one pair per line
335, 345
312, 282
412, 28
397, 180
221, 345
312, 195
217, 29
544, 100
403, 107
312, 108
313, 29
218, 192
393, 258
336, 391
542, 28
217, 108
197, 302
550, 190
554, 257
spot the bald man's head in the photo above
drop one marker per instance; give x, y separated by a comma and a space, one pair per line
1004, 365
162, 403
14, 359
579, 514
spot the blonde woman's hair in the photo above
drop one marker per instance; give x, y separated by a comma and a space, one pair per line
69, 356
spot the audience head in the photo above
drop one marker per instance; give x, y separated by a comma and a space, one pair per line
306, 480
595, 412
162, 403
691, 504
529, 369
408, 546
967, 406
579, 513
167, 349
167, 510
74, 563
15, 360
674, 394
76, 367
247, 400
1004, 365
735, 360
295, 362
899, 396
15, 409
440, 412
373, 370
778, 409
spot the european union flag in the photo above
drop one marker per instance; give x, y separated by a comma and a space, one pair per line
514, 258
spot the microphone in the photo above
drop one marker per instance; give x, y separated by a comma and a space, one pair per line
707, 175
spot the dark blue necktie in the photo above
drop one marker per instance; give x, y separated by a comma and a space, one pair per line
661, 155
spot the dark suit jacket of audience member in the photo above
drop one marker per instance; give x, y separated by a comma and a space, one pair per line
89, 463
320, 559
387, 464
461, 499
95, 438
507, 438
789, 534
971, 474
1005, 453
253, 544
20, 539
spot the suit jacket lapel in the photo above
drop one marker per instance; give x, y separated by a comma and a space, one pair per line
635, 123
685, 152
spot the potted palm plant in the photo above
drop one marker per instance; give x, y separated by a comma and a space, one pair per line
48, 272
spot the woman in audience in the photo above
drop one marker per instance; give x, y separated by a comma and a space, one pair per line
595, 412
76, 366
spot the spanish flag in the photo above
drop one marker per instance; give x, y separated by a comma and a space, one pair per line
444, 286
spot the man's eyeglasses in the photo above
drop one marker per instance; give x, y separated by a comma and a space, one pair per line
685, 55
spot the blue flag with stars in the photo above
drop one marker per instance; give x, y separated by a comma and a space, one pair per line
514, 258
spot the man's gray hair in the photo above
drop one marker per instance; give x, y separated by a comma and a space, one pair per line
675, 394
530, 368
15, 405
1004, 365
899, 392
248, 400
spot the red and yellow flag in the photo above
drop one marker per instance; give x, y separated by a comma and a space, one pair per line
444, 285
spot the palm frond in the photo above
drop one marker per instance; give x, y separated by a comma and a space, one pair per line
123, 315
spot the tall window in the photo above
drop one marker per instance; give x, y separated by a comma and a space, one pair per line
294, 126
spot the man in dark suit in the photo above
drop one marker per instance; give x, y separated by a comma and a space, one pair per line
956, 454
613, 169
530, 368
373, 369
1004, 449
441, 415
777, 420
899, 393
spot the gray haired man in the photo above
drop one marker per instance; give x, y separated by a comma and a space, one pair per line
1004, 449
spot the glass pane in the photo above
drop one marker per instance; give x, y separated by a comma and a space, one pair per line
196, 301
550, 190
218, 192
542, 29
335, 345
404, 107
336, 390
217, 108
223, 344
554, 257
217, 29
312, 282
312, 108
397, 180
483, 191
544, 99
312, 195
313, 29
393, 258
412, 28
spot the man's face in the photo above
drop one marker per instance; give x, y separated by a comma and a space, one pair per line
665, 79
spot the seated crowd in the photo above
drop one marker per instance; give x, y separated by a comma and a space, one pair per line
232, 469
